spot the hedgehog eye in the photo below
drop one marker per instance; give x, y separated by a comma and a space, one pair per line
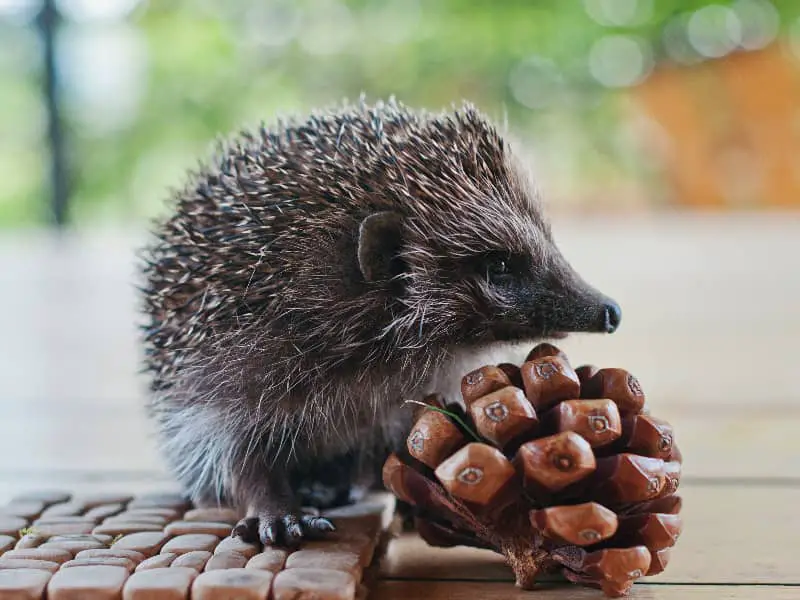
497, 267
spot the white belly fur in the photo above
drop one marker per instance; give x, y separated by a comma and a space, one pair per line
447, 381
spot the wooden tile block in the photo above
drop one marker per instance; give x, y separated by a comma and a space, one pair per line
74, 546
103, 511
23, 563
136, 517
193, 560
55, 555
80, 528
62, 520
64, 509
170, 514
25, 510
242, 584
30, 540
83, 537
271, 559
313, 584
224, 515
23, 584
148, 543
6, 543
349, 562
159, 561
125, 528
226, 560
90, 501
166, 500
47, 497
100, 582
136, 557
191, 541
237, 544
114, 561
12, 525
159, 584
218, 529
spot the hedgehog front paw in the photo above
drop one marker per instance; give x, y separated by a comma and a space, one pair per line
287, 529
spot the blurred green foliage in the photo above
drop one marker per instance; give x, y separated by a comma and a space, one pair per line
181, 72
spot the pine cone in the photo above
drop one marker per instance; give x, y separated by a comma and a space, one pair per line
561, 470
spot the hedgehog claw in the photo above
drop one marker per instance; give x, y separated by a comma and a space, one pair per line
292, 530
287, 529
269, 535
247, 529
312, 525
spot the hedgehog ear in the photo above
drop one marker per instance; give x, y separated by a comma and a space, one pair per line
379, 242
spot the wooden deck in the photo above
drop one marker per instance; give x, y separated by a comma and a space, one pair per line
710, 326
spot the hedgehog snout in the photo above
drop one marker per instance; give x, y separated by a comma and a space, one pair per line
583, 310
604, 316
612, 316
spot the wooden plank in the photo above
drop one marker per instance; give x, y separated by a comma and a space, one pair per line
454, 590
732, 535
736, 441
737, 534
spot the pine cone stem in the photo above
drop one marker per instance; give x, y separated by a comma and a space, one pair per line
525, 560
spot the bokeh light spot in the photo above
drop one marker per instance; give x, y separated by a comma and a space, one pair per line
612, 13
535, 82
676, 42
760, 22
620, 60
714, 30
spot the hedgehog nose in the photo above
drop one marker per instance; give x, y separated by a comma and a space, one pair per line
613, 316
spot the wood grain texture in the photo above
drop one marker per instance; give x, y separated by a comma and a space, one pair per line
451, 590
732, 534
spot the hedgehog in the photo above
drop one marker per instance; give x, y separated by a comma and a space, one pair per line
313, 276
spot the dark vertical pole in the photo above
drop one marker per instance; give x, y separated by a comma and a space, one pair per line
49, 22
